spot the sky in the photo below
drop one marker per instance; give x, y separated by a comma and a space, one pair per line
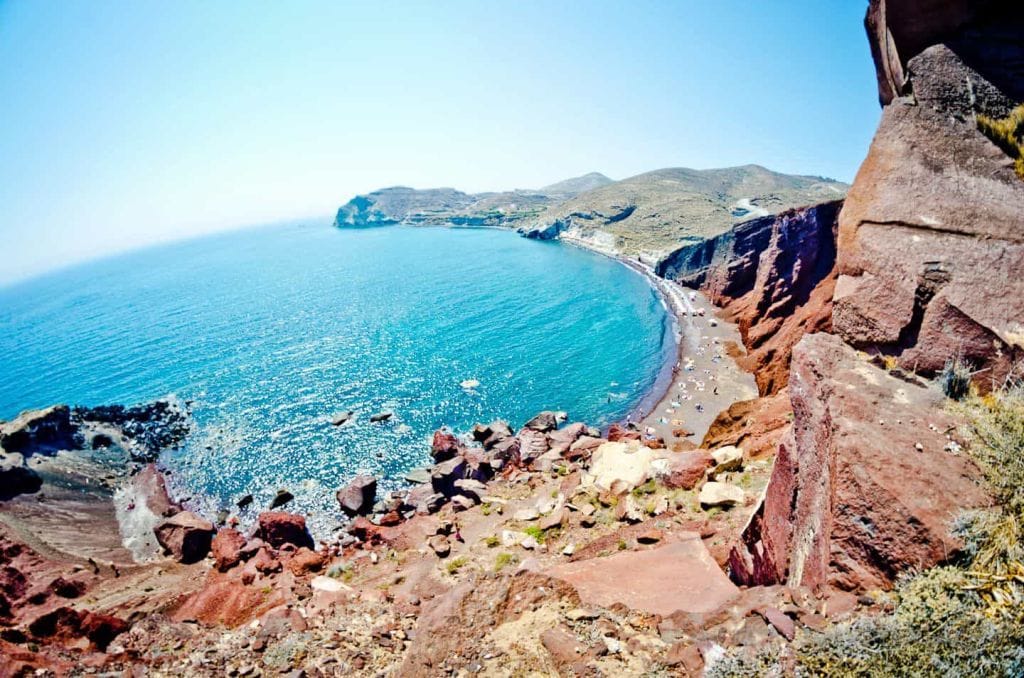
128, 123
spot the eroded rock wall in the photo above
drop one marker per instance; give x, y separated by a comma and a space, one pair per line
773, 277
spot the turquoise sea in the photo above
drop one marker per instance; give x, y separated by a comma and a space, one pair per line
268, 332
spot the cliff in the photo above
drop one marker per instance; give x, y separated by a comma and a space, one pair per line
773, 276
928, 268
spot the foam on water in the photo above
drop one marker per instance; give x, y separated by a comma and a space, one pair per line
268, 332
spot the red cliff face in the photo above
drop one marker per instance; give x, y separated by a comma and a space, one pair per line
931, 238
864, 486
773, 277
929, 264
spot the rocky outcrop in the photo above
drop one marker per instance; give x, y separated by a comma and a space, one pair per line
772, 276
866, 483
141, 432
930, 238
277, 529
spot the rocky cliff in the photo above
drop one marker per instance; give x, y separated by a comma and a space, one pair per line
929, 258
645, 216
931, 238
773, 276
652, 214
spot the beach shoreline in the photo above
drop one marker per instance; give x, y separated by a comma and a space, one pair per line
698, 379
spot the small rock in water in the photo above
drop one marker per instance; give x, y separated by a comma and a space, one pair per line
381, 416
342, 418
281, 498
244, 501
469, 384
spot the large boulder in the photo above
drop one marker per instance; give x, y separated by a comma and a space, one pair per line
277, 529
358, 496
931, 243
687, 469
680, 576
546, 421
863, 488
444, 446
185, 536
444, 475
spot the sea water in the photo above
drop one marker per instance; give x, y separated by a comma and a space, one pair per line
268, 332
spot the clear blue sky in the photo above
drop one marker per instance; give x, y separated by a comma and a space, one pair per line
125, 123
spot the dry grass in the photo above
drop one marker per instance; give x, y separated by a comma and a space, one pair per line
1008, 134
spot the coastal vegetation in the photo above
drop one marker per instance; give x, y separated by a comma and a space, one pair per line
1008, 134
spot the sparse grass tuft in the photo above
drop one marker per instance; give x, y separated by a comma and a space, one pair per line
504, 560
492, 541
535, 532
456, 564
1007, 134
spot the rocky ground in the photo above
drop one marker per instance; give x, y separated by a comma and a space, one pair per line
556, 549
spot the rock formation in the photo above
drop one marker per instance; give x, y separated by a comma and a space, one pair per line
772, 276
931, 238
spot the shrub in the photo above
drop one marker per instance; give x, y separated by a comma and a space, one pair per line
955, 378
1007, 134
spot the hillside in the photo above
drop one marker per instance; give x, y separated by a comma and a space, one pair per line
652, 213
443, 206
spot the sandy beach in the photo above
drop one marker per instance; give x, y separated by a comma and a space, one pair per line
704, 380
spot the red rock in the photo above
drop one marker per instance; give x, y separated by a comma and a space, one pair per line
278, 528
532, 444
562, 645
756, 426
226, 547
66, 588
687, 656
851, 502
151, 484
185, 536
444, 446
678, 576
929, 240
773, 276
305, 561
686, 469
65, 625
391, 518
266, 562
617, 433
782, 623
